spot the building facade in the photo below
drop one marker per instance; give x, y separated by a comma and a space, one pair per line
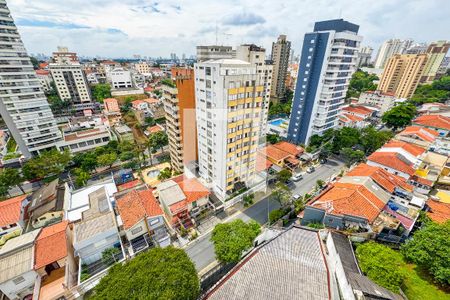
402, 74
365, 56
23, 105
121, 79
256, 56
228, 95
383, 101
389, 48
179, 105
280, 58
205, 53
327, 63
436, 54
70, 80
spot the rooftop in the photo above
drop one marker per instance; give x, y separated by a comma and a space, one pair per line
362, 110
293, 263
227, 61
411, 148
439, 211
136, 205
289, 148
89, 228
436, 121
84, 134
44, 194
51, 245
425, 134
274, 153
10, 210
391, 160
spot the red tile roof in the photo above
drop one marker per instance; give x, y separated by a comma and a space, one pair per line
421, 180
289, 148
361, 110
137, 102
382, 177
425, 134
435, 121
274, 153
43, 65
153, 129
151, 100
411, 148
128, 185
348, 117
192, 188
42, 72
10, 210
51, 245
350, 199
136, 205
439, 211
391, 160
262, 163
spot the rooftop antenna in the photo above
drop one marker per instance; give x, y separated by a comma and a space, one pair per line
217, 34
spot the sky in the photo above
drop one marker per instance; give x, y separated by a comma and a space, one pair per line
123, 28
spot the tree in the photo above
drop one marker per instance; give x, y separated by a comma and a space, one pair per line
86, 161
101, 91
275, 215
273, 138
159, 273
165, 173
351, 156
381, 264
232, 239
284, 175
11, 177
108, 255
50, 162
399, 116
371, 139
346, 137
107, 159
34, 62
158, 140
124, 156
319, 184
281, 194
149, 121
81, 177
360, 82
429, 248
442, 84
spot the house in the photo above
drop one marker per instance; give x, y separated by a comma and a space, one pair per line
358, 111
292, 263
153, 129
409, 151
54, 261
77, 201
433, 108
139, 105
17, 275
420, 136
111, 105
437, 211
439, 123
348, 120
97, 232
262, 163
85, 140
12, 215
428, 170
142, 219
46, 205
182, 199
353, 285
392, 162
283, 154
124, 133
383, 101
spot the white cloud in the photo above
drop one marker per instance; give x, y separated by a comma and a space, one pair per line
118, 28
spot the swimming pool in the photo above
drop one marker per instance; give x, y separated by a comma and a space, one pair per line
278, 122
153, 173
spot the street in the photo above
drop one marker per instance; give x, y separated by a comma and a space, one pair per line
201, 251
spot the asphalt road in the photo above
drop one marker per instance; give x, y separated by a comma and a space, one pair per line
202, 250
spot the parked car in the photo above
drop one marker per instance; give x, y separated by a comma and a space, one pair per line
323, 160
290, 184
296, 197
310, 169
297, 177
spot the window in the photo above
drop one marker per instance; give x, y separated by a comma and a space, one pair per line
155, 221
18, 280
136, 230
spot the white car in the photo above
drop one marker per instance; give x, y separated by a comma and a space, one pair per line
297, 177
296, 197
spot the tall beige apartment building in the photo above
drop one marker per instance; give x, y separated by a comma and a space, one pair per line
280, 58
436, 53
402, 74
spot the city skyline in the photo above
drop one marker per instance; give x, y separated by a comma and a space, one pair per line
125, 28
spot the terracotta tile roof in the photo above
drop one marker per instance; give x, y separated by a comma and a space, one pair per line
112, 100
350, 199
43, 65
153, 129
192, 189
42, 72
262, 163
148, 89
129, 185
439, 211
382, 177
51, 245
274, 153
151, 100
411, 148
436, 121
391, 160
10, 210
351, 118
426, 134
361, 110
83, 134
137, 102
421, 180
136, 205
289, 148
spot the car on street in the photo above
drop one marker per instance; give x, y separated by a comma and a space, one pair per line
296, 197
297, 177
310, 169
323, 161
290, 184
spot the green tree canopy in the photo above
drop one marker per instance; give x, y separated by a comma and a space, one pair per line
101, 91
361, 81
81, 177
284, 175
399, 116
50, 162
352, 156
10, 177
233, 238
159, 273
281, 194
381, 264
430, 249
107, 159
273, 138
158, 140
371, 139
165, 173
